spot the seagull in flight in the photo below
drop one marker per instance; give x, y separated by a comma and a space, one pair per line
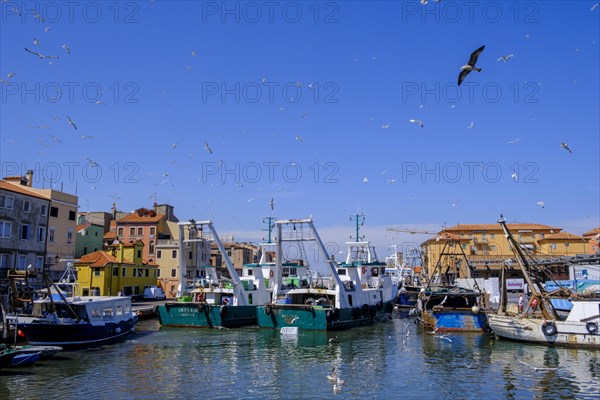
537, 368
10, 75
595, 6
566, 147
36, 42
505, 58
194, 53
470, 126
454, 204
92, 162
207, 147
251, 200
55, 139
514, 176
385, 126
299, 138
39, 55
88, 137
272, 204
470, 66
70, 121
67, 48
417, 121
365, 179
37, 16
541, 204
514, 141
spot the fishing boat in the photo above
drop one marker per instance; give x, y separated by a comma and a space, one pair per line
62, 317
320, 302
540, 322
215, 301
6, 356
409, 282
442, 304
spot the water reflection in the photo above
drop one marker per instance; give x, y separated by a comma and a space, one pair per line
389, 360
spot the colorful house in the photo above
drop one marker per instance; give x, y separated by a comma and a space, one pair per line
118, 269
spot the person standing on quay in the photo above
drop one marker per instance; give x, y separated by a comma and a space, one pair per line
521, 303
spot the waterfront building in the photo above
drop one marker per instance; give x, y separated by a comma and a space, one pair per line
488, 250
88, 239
23, 227
62, 215
119, 269
196, 258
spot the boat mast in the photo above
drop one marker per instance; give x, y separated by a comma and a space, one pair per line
524, 265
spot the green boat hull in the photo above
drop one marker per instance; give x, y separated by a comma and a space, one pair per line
318, 318
198, 315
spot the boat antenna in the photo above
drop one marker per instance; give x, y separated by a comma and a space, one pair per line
268, 221
359, 219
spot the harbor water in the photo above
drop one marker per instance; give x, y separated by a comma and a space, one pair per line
393, 359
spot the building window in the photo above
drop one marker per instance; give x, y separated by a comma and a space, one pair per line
96, 233
5, 228
120, 231
85, 250
44, 211
97, 272
152, 231
124, 272
140, 231
131, 231
51, 235
39, 262
139, 253
158, 253
27, 206
54, 212
157, 273
541, 235
493, 247
134, 272
4, 260
174, 273
69, 236
492, 236
21, 261
25, 231
72, 215
116, 272
190, 255
7, 201
151, 247
553, 246
147, 272
41, 236
174, 254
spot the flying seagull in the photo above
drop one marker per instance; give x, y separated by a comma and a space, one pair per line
541, 204
385, 126
505, 58
514, 141
40, 55
70, 121
470, 66
55, 139
365, 179
194, 53
417, 121
299, 138
272, 204
207, 147
470, 126
594, 6
537, 368
37, 16
566, 147
36, 42
10, 75
88, 137
67, 48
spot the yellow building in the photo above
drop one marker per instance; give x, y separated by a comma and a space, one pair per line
120, 268
487, 249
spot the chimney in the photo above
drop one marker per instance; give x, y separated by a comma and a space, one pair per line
114, 211
155, 206
29, 177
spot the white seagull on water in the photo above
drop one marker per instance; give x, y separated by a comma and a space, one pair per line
470, 66
537, 368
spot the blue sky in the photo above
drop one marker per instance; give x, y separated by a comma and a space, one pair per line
360, 66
